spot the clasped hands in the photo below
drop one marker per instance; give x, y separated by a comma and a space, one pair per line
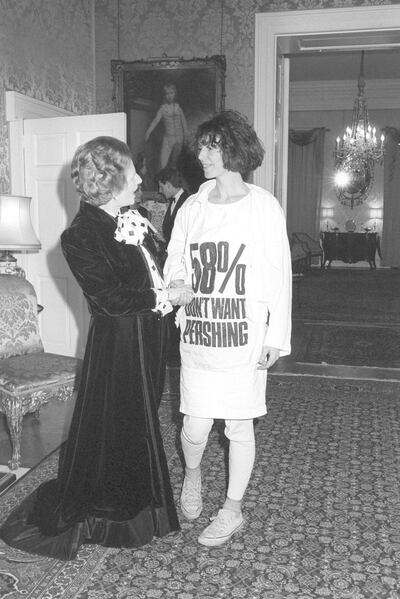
180, 294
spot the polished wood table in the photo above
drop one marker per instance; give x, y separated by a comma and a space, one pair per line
350, 247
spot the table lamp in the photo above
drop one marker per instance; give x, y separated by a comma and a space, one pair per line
327, 212
16, 232
375, 214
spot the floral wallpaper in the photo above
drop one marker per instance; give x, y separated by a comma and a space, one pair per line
46, 46
46, 49
191, 28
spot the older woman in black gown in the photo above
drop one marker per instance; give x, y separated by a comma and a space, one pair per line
113, 486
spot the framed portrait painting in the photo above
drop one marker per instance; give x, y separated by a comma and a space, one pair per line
165, 99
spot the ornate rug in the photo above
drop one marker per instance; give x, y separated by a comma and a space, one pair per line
348, 345
350, 295
322, 510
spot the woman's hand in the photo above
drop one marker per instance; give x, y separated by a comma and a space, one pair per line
177, 283
269, 356
180, 295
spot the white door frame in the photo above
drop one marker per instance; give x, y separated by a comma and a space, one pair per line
18, 108
273, 25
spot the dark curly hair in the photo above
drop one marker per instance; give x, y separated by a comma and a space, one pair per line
171, 175
98, 169
230, 131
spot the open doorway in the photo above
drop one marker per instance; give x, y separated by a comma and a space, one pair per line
283, 34
294, 41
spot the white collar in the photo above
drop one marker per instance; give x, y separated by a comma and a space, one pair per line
177, 195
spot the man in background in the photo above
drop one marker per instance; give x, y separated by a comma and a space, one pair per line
170, 185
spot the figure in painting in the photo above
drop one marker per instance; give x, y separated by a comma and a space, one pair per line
175, 127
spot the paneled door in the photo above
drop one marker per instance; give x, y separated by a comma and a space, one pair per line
49, 145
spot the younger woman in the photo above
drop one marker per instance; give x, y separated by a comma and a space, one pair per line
229, 241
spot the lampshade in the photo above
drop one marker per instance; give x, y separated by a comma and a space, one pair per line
375, 213
327, 212
16, 231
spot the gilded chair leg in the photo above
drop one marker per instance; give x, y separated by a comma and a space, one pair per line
14, 422
16, 406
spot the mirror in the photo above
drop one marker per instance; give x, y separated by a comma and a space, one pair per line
353, 181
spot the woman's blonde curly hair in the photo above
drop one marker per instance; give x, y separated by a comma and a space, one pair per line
98, 169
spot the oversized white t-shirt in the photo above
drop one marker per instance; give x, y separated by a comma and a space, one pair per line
221, 340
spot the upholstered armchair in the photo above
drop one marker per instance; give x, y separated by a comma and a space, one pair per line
312, 247
29, 376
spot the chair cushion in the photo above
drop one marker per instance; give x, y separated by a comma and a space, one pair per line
19, 330
32, 372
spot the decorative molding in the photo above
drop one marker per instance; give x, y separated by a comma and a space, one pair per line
20, 106
380, 94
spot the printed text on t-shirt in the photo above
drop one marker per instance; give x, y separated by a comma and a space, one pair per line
216, 321
211, 258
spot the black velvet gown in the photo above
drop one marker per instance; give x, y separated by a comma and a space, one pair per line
113, 485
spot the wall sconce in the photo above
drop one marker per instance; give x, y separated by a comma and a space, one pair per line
16, 232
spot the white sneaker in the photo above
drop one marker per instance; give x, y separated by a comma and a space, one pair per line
191, 502
222, 528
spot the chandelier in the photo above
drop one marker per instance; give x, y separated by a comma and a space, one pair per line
357, 151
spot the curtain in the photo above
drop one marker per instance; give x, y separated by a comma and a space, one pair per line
390, 244
305, 172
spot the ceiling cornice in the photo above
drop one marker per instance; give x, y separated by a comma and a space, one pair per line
380, 94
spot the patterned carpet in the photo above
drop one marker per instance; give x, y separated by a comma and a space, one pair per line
363, 345
350, 295
347, 317
322, 510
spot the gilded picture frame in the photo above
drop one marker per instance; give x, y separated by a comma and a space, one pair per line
183, 93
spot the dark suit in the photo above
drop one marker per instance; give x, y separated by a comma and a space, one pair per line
167, 226
169, 219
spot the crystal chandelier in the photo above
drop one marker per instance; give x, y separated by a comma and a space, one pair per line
357, 151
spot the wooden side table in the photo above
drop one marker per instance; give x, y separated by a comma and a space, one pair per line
350, 247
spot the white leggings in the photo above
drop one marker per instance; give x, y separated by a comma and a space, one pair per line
240, 433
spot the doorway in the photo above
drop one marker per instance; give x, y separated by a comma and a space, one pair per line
281, 33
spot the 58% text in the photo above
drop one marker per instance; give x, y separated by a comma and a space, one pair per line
210, 258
